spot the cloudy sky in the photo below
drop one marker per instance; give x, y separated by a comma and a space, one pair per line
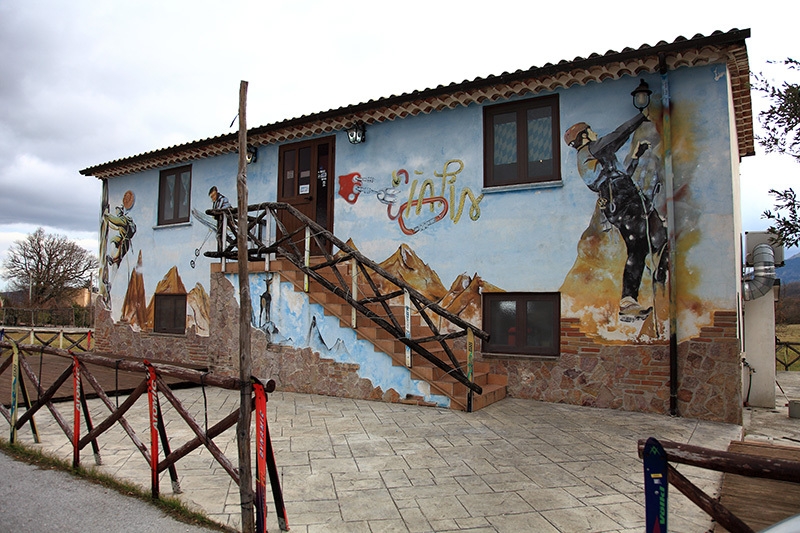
89, 81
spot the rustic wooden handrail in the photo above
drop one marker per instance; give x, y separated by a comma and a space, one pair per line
286, 245
110, 360
152, 384
722, 461
117, 414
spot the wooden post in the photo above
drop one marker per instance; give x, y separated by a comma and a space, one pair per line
14, 388
307, 257
354, 291
245, 362
76, 412
407, 319
470, 366
152, 400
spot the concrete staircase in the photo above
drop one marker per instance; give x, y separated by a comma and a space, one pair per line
493, 385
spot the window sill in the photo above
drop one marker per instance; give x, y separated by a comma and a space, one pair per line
528, 357
178, 225
523, 186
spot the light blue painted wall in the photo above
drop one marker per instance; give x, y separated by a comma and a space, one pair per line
523, 240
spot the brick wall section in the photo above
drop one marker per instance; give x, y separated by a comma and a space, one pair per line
636, 377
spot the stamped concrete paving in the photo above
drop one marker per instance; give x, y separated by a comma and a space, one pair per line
359, 466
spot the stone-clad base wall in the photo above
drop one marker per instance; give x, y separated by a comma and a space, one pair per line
710, 372
636, 378
293, 369
122, 339
631, 378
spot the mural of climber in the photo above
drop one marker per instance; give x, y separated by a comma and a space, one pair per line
142, 271
125, 227
218, 201
625, 205
123, 224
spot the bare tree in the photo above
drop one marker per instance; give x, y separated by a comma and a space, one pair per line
49, 267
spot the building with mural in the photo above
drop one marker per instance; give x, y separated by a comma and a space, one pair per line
567, 233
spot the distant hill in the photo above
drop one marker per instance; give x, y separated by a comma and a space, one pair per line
790, 271
787, 310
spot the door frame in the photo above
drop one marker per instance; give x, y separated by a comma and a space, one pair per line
308, 203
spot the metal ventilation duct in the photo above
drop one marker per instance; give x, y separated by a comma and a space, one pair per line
763, 273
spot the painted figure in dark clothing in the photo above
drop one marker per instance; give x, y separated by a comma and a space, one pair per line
219, 201
623, 204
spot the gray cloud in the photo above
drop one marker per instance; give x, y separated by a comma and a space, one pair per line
85, 82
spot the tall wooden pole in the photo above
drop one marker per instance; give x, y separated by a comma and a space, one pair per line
245, 362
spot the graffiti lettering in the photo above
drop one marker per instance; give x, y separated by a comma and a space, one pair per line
474, 208
447, 200
396, 176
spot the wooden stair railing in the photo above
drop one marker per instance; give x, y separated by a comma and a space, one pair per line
294, 246
493, 386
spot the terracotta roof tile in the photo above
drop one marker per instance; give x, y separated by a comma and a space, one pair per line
699, 50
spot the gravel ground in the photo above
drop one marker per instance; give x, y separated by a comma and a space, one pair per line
36, 500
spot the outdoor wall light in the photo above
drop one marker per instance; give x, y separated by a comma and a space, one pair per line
252, 154
356, 133
641, 96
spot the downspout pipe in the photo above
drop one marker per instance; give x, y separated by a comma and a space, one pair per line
763, 276
673, 282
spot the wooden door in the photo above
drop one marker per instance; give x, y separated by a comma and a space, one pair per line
305, 180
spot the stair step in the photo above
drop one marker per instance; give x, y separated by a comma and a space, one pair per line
493, 385
491, 394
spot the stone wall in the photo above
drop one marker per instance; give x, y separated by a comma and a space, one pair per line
293, 369
636, 377
627, 377
122, 339
710, 372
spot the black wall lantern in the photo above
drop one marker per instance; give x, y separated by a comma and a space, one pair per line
252, 154
641, 96
356, 133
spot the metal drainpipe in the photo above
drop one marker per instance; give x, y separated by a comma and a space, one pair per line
673, 285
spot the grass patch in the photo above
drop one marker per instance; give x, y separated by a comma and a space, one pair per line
168, 504
788, 332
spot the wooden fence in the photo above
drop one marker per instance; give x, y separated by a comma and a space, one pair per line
75, 339
722, 461
160, 453
787, 354
75, 316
